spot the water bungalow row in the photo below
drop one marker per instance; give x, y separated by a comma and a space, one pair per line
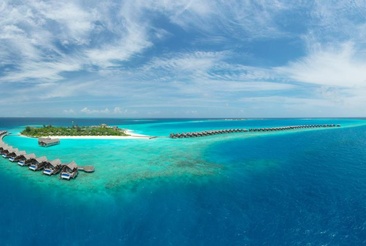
205, 133
270, 129
66, 171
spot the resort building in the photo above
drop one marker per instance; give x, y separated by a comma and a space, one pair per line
46, 142
27, 160
69, 171
38, 163
7, 151
18, 155
53, 167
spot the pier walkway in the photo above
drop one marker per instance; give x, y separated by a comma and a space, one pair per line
268, 129
87, 169
3, 134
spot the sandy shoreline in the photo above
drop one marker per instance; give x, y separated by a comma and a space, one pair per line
129, 132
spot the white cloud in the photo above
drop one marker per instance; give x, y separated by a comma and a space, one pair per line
37, 37
129, 53
42, 71
339, 20
194, 62
117, 110
339, 65
31, 33
95, 111
73, 22
109, 54
239, 19
69, 111
105, 111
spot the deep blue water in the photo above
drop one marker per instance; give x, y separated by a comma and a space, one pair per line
297, 188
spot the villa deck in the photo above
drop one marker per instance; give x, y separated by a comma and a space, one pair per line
87, 169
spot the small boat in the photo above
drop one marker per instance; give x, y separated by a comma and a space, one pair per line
53, 167
17, 156
38, 164
69, 171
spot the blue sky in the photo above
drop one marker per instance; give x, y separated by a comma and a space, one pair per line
202, 58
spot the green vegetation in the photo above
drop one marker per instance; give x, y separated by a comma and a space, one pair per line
102, 130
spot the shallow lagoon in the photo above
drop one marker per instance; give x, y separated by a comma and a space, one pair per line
293, 187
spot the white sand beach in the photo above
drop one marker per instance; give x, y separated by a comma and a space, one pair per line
101, 137
131, 134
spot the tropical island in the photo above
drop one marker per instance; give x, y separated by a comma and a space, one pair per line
49, 130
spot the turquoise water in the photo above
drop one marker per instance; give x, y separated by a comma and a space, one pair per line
294, 188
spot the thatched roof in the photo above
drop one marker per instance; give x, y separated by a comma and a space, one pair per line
72, 165
41, 159
4, 146
20, 153
9, 149
30, 156
55, 162
13, 151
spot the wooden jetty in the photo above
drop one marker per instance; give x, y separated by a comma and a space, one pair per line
268, 129
87, 169
3, 133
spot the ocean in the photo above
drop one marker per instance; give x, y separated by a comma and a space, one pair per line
297, 187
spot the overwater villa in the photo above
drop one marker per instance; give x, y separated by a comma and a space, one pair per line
270, 129
53, 167
3, 146
3, 149
46, 142
38, 163
27, 160
69, 171
7, 151
12, 153
17, 156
